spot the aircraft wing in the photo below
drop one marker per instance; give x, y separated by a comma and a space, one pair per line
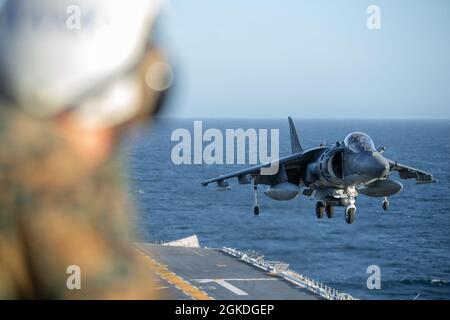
407, 172
293, 164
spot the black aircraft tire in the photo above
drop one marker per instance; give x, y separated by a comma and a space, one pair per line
330, 211
385, 206
319, 210
350, 215
256, 210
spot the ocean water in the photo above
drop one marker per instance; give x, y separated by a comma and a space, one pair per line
410, 243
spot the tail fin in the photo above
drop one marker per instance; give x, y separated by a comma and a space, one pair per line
295, 142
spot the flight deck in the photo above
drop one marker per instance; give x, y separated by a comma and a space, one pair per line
186, 273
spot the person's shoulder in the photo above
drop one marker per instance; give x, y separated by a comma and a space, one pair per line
23, 138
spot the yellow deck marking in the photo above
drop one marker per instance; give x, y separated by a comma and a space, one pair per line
174, 279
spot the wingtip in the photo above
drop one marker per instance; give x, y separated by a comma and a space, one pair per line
204, 183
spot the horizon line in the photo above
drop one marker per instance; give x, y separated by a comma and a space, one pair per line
296, 118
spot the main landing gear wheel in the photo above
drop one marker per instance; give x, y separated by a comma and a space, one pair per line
385, 204
256, 210
350, 214
319, 209
329, 210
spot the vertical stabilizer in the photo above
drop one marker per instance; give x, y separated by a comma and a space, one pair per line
295, 142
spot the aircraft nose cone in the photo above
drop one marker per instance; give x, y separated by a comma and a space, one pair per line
379, 167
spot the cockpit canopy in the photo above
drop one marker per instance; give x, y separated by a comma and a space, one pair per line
359, 142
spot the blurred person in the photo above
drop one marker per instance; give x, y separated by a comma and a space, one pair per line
74, 75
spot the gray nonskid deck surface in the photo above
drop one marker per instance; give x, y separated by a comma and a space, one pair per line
221, 276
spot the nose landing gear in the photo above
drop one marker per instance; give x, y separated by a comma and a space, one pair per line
350, 212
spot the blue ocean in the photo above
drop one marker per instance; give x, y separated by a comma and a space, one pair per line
410, 243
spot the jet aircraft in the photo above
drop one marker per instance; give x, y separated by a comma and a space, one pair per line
334, 175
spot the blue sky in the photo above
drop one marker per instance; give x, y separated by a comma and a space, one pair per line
308, 59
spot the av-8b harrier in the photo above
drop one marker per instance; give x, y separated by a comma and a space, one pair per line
333, 175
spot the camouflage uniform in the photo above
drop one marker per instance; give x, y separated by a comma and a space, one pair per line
55, 213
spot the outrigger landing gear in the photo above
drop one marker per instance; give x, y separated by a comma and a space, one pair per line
256, 208
319, 209
385, 204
